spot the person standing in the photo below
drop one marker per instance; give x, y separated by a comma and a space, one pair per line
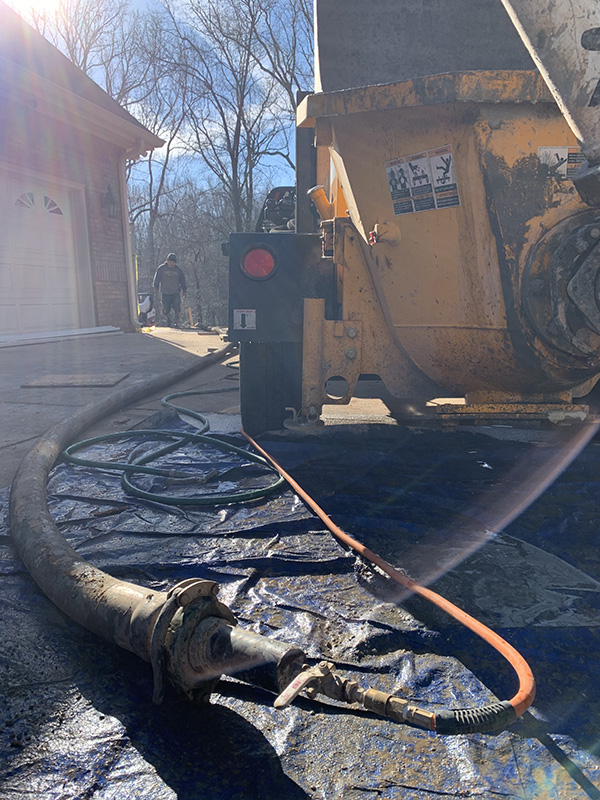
170, 281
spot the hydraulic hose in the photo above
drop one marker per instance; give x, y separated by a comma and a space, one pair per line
461, 720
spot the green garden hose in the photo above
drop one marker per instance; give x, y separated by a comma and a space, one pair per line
179, 439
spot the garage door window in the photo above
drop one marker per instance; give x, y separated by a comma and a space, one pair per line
26, 200
50, 206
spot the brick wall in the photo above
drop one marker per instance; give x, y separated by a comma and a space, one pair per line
53, 149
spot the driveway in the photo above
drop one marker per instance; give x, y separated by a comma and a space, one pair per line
43, 383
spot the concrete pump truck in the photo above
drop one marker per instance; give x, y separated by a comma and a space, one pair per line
445, 234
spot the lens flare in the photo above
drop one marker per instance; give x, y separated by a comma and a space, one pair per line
32, 8
495, 509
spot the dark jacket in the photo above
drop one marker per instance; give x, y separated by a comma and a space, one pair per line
170, 280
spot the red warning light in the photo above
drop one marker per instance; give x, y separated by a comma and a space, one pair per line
259, 262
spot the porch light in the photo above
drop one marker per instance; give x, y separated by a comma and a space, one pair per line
109, 203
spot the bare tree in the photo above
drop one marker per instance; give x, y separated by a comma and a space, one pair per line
82, 29
216, 79
202, 224
112, 43
194, 222
232, 106
284, 34
161, 176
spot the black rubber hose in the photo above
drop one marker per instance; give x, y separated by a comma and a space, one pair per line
495, 716
115, 610
130, 468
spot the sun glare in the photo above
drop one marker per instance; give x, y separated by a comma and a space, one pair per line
27, 7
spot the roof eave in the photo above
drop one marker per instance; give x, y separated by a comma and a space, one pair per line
33, 90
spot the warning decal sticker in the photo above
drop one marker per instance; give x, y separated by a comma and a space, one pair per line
563, 161
399, 186
423, 181
244, 319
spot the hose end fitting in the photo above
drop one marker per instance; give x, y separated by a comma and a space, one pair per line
493, 717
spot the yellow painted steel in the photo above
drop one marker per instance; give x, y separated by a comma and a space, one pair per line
362, 342
487, 412
514, 86
438, 292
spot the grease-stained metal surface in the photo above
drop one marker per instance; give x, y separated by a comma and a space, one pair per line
450, 186
481, 86
563, 41
557, 302
76, 718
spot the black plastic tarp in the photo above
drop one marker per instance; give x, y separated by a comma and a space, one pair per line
76, 717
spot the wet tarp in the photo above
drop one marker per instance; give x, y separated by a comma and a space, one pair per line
76, 717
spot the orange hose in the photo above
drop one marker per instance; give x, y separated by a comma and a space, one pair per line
524, 697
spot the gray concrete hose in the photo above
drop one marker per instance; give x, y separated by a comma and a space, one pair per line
134, 617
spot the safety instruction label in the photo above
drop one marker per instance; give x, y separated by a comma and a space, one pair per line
244, 319
423, 181
563, 161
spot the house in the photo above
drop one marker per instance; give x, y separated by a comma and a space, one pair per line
65, 256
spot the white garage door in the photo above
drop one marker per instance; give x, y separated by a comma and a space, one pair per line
38, 277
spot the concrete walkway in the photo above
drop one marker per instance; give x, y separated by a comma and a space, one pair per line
42, 383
